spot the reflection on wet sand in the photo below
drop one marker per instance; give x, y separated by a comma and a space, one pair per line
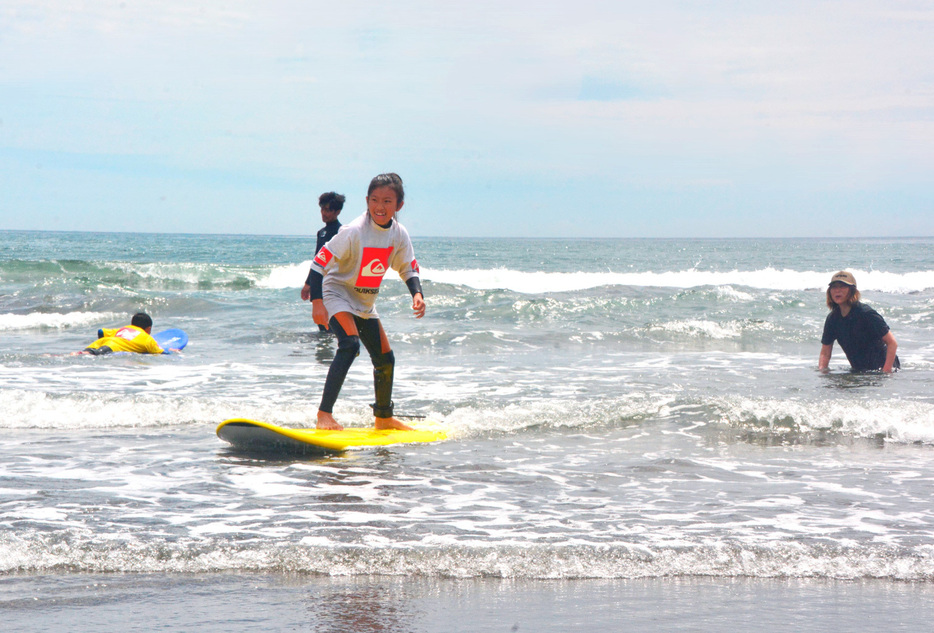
363, 608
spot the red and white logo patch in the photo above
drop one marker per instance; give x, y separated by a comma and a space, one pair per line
373, 266
415, 266
323, 257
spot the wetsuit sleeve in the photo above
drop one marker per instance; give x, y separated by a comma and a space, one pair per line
829, 336
415, 286
326, 234
321, 240
315, 280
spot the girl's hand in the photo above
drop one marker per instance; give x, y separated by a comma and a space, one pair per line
418, 305
319, 313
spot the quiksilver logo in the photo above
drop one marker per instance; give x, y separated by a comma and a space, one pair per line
373, 265
323, 257
374, 269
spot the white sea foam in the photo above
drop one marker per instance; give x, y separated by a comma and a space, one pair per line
900, 421
191, 273
703, 328
47, 321
158, 408
767, 278
897, 420
293, 276
186, 272
41, 552
161, 405
286, 276
37, 410
729, 293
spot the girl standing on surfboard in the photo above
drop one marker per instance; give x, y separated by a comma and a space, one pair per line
345, 278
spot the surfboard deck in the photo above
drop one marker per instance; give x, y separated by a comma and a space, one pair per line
254, 436
173, 338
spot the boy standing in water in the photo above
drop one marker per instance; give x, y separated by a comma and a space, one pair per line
344, 282
330, 204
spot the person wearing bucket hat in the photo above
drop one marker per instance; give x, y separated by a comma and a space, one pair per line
862, 333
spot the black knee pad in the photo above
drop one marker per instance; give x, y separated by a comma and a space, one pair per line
350, 345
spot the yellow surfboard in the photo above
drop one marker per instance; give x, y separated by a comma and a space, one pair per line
254, 436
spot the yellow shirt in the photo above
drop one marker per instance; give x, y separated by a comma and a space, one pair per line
127, 339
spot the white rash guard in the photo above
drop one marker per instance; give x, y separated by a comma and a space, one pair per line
354, 261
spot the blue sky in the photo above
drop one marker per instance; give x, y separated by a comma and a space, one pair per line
504, 118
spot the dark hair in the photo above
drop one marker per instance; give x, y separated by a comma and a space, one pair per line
332, 200
388, 180
852, 299
141, 320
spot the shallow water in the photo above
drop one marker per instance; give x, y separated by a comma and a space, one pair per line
632, 417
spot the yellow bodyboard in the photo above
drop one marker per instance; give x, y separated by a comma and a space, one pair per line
252, 435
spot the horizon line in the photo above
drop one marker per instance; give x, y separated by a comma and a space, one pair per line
500, 237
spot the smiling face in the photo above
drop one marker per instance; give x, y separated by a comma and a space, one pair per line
382, 205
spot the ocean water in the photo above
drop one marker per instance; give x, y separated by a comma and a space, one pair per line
638, 427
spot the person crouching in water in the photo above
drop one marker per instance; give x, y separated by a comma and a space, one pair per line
345, 278
135, 337
861, 331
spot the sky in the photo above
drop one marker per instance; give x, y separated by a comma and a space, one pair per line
512, 118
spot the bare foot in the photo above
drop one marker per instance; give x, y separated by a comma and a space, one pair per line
392, 423
326, 422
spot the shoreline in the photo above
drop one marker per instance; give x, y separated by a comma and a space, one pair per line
225, 602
